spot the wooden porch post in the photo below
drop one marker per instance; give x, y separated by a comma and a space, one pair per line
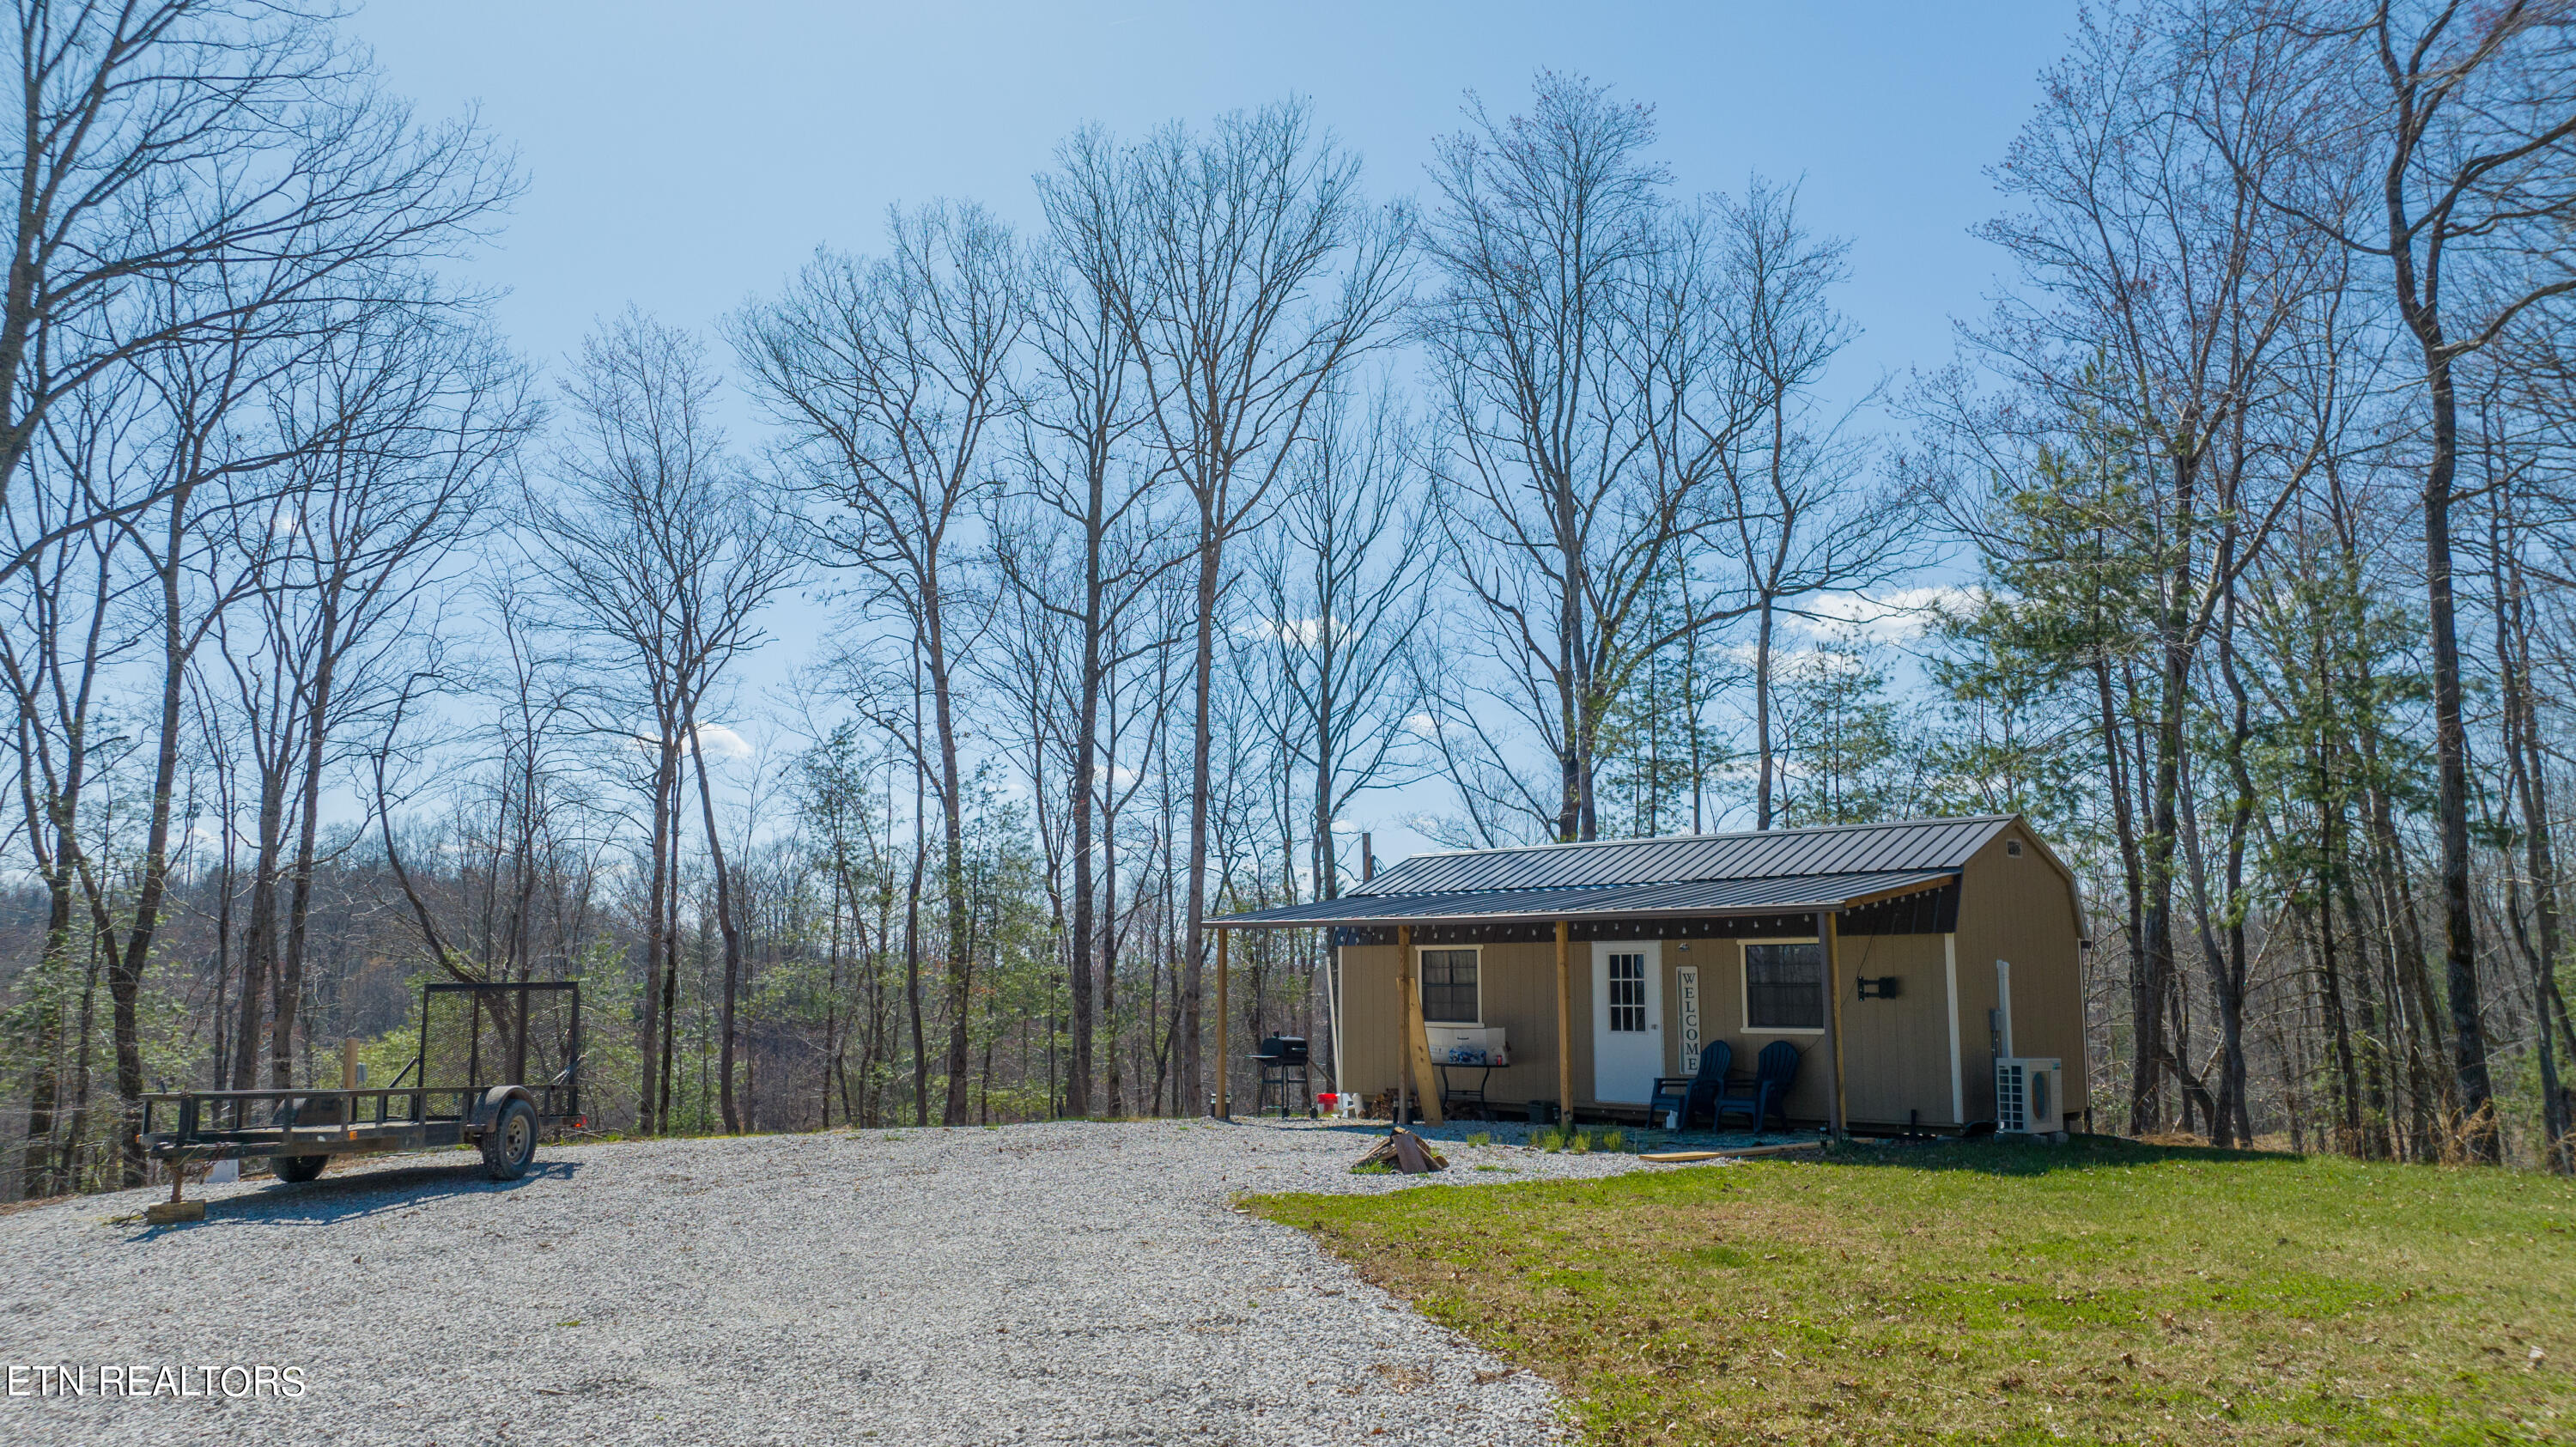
1564, 1025
1414, 1050
1222, 1111
1833, 1018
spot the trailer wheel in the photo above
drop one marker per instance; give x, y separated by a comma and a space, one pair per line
511, 1143
298, 1168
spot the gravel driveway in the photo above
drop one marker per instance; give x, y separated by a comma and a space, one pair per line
1037, 1283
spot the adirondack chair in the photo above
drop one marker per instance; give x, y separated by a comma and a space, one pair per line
1681, 1097
1774, 1071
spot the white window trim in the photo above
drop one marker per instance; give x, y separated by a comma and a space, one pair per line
1649, 961
1479, 952
1744, 987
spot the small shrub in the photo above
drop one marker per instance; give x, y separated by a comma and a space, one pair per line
1481, 1138
1580, 1145
1373, 1168
1548, 1140
1615, 1140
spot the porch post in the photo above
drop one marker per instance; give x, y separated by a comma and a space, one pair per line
1833, 1018
1404, 985
1333, 1004
1416, 1046
1222, 1113
1564, 1025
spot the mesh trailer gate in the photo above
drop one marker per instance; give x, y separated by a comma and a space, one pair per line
475, 1037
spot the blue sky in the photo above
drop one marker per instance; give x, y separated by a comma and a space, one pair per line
682, 156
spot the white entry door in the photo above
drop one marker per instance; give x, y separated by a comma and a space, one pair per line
1627, 1020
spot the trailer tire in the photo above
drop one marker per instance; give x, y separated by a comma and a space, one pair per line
297, 1169
510, 1142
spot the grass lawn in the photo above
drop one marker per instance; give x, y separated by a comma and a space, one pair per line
2099, 1292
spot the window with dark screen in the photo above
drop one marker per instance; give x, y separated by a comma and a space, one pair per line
1784, 987
1449, 987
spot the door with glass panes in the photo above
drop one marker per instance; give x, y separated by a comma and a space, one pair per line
1627, 1020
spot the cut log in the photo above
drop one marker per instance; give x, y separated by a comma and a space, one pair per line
1406, 1152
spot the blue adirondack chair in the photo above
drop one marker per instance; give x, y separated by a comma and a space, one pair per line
1774, 1071
1684, 1097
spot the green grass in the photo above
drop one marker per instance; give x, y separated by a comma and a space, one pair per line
1575, 1141
2099, 1292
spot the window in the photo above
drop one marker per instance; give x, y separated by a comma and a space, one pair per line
1449, 987
1784, 987
1628, 994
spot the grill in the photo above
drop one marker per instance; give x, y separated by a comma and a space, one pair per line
1282, 1060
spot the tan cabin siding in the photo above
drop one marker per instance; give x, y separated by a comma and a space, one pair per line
1517, 987
1898, 1061
1896, 1052
2022, 909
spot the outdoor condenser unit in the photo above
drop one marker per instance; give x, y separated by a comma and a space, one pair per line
2029, 1096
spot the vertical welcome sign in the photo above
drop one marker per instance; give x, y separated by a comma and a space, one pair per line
1686, 991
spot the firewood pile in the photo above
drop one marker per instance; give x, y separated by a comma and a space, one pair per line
1406, 1152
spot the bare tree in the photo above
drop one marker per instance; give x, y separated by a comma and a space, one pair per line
1588, 401
2156, 356
666, 548
160, 142
1803, 525
1247, 270
888, 377
412, 418
1344, 572
1082, 539
2465, 114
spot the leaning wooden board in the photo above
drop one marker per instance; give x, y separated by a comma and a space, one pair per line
1677, 1158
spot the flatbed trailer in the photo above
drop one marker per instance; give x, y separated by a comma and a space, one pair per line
499, 1065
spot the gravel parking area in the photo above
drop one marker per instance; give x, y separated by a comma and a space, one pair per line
1037, 1283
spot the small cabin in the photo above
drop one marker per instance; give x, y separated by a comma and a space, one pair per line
1905, 962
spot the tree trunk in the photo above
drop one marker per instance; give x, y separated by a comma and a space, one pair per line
1202, 745
912, 948
2476, 1125
724, 922
317, 735
651, 1110
1086, 733
259, 951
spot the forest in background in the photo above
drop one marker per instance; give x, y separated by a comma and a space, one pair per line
351, 649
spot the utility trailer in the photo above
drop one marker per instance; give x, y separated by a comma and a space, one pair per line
498, 1066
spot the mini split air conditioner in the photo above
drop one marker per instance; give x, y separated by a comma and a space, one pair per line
2030, 1096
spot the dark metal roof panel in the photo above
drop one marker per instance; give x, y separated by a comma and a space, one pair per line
1778, 853
1689, 897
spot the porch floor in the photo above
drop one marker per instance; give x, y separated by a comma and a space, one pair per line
1633, 1137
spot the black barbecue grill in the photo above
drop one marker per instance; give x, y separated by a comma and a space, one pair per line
1282, 1058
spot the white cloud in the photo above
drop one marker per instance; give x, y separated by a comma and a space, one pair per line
1303, 632
723, 742
1897, 616
1422, 725
717, 740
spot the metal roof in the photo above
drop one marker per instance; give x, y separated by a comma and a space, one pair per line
1839, 849
1685, 898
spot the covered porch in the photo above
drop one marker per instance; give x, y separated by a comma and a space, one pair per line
1580, 997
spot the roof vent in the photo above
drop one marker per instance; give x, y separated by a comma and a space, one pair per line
2013, 848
